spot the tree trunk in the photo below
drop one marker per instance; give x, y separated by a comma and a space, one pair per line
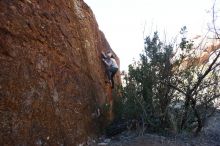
187, 102
199, 119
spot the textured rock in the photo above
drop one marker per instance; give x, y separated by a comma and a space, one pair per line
52, 80
203, 57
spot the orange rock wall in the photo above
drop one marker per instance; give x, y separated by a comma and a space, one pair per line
52, 80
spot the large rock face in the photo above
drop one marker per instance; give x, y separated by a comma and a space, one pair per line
52, 79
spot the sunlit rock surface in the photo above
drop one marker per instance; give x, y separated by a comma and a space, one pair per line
52, 79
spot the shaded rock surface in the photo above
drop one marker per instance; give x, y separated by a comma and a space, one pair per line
52, 79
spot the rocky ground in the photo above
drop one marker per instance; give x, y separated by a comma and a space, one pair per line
210, 136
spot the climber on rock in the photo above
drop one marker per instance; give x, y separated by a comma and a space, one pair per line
111, 66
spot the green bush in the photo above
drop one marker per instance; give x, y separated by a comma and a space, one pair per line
155, 87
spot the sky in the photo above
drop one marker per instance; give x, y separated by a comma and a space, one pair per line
126, 23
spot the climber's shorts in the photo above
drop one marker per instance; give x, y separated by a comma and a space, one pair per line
113, 70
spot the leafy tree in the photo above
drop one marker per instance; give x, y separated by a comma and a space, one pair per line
195, 83
145, 95
167, 90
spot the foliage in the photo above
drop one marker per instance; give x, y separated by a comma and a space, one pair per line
145, 96
195, 82
167, 90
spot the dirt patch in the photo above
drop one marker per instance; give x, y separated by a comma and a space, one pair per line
210, 136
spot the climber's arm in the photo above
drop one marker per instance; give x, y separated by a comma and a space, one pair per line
104, 60
103, 55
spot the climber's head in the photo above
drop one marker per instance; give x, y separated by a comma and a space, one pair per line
109, 54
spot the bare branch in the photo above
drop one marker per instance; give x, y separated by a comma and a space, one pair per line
211, 99
213, 21
200, 79
208, 85
174, 87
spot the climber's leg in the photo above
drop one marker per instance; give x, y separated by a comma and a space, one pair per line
108, 72
113, 72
